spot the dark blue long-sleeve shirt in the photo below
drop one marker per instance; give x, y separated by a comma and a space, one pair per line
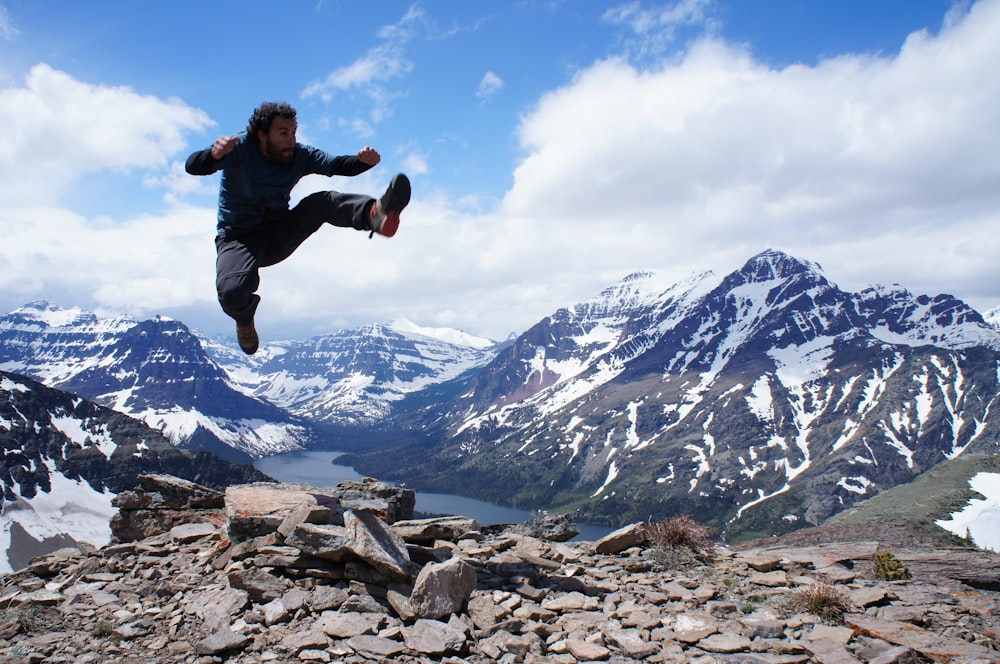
255, 188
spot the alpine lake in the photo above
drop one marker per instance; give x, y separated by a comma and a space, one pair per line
319, 469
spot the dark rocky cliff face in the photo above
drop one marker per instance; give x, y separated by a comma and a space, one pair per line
33, 447
46, 432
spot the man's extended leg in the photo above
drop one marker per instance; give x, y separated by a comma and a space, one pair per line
385, 212
357, 211
331, 207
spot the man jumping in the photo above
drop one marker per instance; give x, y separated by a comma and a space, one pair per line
256, 228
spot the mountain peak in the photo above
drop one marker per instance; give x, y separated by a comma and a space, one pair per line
52, 315
775, 264
993, 317
446, 334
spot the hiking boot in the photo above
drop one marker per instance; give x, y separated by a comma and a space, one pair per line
385, 211
247, 337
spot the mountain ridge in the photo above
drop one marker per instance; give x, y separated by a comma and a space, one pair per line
769, 387
761, 400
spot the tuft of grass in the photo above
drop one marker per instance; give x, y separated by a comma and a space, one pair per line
24, 620
823, 600
888, 567
103, 629
680, 540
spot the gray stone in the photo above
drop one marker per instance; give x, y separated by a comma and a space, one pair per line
763, 628
431, 637
345, 625
725, 642
442, 588
584, 650
621, 539
378, 545
426, 531
775, 579
215, 606
631, 643
527, 600
327, 541
691, 626
275, 612
323, 598
313, 640
309, 512
189, 532
389, 502
220, 642
550, 527
260, 586
376, 645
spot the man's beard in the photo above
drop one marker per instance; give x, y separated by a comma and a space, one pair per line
284, 156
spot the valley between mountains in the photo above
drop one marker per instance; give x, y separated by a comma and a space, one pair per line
761, 401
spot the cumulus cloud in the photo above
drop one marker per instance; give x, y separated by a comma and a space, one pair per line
857, 162
59, 128
880, 168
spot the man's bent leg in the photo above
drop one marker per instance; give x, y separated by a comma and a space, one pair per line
236, 279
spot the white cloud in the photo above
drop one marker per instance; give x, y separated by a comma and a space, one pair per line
653, 30
415, 163
59, 128
371, 74
878, 168
141, 265
645, 21
8, 31
489, 85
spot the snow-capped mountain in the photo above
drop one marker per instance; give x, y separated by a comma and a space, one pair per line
763, 401
993, 317
355, 377
155, 370
65, 458
205, 395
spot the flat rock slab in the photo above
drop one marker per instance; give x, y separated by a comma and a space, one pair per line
933, 646
816, 557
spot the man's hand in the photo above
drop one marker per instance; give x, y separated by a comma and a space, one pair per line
369, 155
224, 145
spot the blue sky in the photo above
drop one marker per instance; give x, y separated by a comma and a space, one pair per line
554, 147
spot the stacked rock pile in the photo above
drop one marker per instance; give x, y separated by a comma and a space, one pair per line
291, 573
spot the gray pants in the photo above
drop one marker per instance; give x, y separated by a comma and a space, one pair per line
240, 253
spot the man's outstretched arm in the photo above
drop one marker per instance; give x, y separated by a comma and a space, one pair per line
209, 160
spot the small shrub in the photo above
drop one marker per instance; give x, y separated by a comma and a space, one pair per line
889, 568
730, 582
748, 607
823, 600
681, 540
25, 619
102, 630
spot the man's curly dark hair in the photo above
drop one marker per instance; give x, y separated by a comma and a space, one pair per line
264, 115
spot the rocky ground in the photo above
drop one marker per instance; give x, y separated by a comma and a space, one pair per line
286, 573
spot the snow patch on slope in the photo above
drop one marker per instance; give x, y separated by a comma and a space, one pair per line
72, 507
980, 518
